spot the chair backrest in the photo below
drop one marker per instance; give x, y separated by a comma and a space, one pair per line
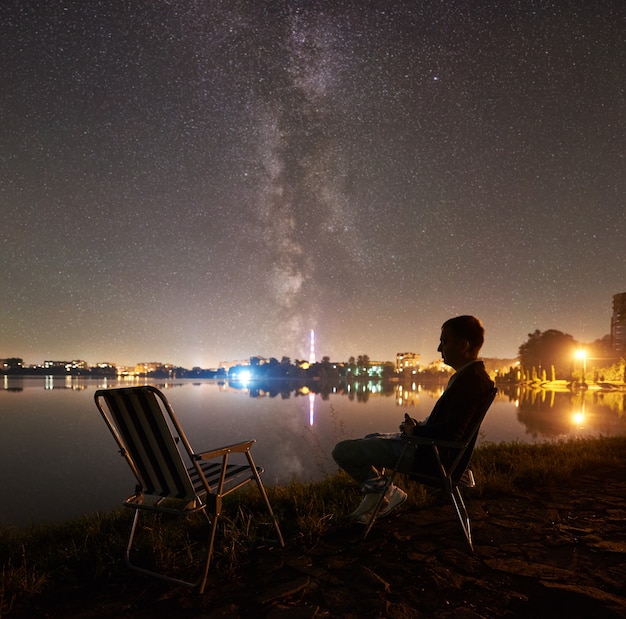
480, 410
136, 416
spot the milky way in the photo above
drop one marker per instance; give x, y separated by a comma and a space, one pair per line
192, 182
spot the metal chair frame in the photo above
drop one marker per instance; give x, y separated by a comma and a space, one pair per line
153, 443
447, 478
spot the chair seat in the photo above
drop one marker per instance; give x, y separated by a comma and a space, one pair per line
235, 475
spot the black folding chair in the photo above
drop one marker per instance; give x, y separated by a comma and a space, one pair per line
446, 477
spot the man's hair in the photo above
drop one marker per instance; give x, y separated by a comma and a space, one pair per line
468, 328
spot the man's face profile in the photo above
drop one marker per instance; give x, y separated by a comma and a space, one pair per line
452, 348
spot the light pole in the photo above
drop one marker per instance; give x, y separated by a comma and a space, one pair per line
581, 353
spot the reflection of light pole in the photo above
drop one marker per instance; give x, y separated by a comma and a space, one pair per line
311, 408
579, 417
581, 353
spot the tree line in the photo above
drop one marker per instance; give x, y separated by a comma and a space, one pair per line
545, 356
553, 355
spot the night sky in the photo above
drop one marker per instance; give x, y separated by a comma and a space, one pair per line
199, 181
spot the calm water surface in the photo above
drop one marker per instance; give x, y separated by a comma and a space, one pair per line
58, 460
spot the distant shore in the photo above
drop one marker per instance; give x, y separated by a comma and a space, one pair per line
552, 385
566, 385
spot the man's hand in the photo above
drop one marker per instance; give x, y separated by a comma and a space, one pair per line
406, 427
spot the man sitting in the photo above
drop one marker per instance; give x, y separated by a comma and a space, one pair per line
364, 458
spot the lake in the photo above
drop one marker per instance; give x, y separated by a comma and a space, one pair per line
58, 459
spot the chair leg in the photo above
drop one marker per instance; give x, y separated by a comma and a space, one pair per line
131, 539
209, 555
261, 487
379, 504
461, 512
201, 583
457, 501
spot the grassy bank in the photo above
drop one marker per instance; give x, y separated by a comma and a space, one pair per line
87, 552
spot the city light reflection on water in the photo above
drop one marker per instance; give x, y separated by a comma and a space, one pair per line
57, 459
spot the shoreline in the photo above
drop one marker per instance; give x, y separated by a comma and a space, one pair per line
314, 381
548, 529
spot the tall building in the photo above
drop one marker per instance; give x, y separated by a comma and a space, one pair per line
618, 324
409, 361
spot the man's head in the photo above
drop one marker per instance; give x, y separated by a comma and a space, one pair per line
461, 340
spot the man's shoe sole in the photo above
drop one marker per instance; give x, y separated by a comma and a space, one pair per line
385, 512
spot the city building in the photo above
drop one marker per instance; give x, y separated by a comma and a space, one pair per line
68, 366
618, 324
11, 363
408, 362
151, 367
226, 366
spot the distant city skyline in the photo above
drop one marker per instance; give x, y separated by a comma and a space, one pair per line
617, 325
203, 181
617, 322
312, 358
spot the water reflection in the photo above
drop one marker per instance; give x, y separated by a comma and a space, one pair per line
543, 413
296, 427
559, 414
409, 395
75, 383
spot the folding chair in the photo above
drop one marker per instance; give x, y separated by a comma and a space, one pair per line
173, 478
447, 477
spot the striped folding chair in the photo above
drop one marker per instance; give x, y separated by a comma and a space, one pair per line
171, 477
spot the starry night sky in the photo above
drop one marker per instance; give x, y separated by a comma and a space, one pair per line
198, 181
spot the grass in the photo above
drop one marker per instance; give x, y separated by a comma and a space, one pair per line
88, 552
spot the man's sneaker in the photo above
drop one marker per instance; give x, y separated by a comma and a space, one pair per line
375, 485
394, 498
363, 519
467, 479
366, 506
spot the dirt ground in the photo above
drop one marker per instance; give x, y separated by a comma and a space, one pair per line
545, 552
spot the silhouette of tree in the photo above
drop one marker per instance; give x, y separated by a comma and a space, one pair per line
351, 369
549, 350
389, 370
363, 364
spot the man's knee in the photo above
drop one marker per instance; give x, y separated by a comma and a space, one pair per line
342, 451
338, 451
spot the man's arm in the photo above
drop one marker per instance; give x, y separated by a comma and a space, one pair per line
453, 412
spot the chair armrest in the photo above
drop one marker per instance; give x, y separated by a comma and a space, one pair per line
223, 451
435, 442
